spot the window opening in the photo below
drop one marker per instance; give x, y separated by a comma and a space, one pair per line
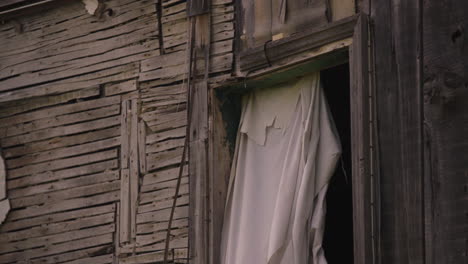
338, 236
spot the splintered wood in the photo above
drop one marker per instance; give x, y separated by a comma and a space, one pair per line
92, 126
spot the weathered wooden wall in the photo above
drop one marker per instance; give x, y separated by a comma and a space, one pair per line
420, 52
92, 124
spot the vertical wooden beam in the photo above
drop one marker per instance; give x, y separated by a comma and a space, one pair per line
134, 167
124, 221
130, 166
219, 168
198, 133
397, 39
142, 146
360, 142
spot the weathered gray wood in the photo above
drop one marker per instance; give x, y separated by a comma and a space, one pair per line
134, 168
445, 73
65, 205
57, 228
3, 186
142, 146
59, 110
160, 195
397, 42
64, 184
61, 163
163, 159
60, 131
17, 107
162, 215
198, 129
64, 247
124, 223
63, 152
219, 167
119, 88
254, 58
60, 142
153, 257
162, 176
56, 217
161, 205
361, 152
76, 255
60, 195
155, 227
62, 175
56, 238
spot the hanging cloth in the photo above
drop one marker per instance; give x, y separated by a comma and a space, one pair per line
286, 152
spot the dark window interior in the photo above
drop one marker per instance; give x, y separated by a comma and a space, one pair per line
338, 237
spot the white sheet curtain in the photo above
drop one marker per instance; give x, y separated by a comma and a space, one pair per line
286, 152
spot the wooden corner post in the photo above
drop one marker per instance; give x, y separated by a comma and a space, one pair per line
361, 134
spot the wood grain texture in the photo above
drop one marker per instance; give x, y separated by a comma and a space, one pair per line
445, 44
360, 134
397, 43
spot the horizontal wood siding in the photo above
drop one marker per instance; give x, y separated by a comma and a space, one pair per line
92, 125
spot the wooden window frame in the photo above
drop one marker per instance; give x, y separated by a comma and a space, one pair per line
297, 54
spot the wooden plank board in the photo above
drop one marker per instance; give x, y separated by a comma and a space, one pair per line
51, 176
154, 257
142, 146
163, 159
163, 185
63, 184
55, 238
170, 134
444, 78
165, 145
162, 215
59, 142
3, 186
399, 106
160, 226
74, 255
360, 133
62, 163
52, 197
161, 205
56, 217
134, 167
115, 74
119, 88
124, 222
156, 237
9, 109
64, 152
104, 259
55, 249
163, 194
65, 205
57, 228
162, 176
59, 110
59, 121
60, 131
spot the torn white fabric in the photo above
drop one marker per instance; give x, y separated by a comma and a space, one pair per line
286, 152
